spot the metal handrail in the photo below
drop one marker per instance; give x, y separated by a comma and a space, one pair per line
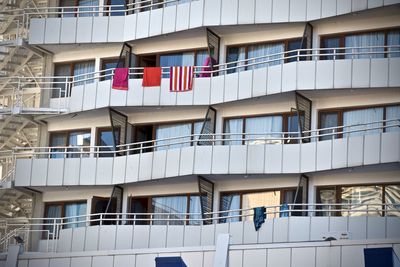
212, 138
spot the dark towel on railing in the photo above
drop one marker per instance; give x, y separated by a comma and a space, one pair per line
120, 80
283, 210
259, 217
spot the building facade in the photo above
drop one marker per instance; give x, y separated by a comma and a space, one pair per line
291, 105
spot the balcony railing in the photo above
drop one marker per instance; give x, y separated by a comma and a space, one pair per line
210, 140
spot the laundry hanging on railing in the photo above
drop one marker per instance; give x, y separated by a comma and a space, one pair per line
151, 76
259, 217
181, 78
120, 79
207, 67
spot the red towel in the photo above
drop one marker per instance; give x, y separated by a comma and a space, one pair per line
120, 80
207, 67
151, 76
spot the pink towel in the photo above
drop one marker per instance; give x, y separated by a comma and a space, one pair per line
207, 67
120, 80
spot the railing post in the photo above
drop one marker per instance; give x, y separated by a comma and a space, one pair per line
101, 218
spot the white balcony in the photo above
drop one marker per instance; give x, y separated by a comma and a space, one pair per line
266, 153
99, 24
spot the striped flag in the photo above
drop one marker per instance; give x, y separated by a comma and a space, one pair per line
181, 78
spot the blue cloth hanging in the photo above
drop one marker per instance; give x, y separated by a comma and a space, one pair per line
284, 207
259, 217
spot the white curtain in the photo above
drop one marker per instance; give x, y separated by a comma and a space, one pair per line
264, 126
197, 128
266, 50
365, 40
234, 126
75, 209
362, 116
83, 68
195, 207
393, 38
393, 112
230, 202
170, 131
173, 204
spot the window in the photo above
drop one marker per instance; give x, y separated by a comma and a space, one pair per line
354, 116
117, 7
273, 52
167, 131
249, 200
170, 208
106, 64
76, 69
71, 139
91, 5
354, 199
105, 138
355, 42
64, 209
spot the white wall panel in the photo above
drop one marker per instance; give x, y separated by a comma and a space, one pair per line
76, 101
145, 260
207, 235
65, 240
36, 31
343, 6
265, 233
130, 27
68, 30
81, 261
201, 91
280, 233
324, 155
361, 73
142, 25
102, 261
353, 256
274, 79
107, 237
278, 257
376, 227
103, 94
100, 29
186, 161
359, 5
55, 172
249, 233
172, 164
298, 10
119, 170
229, 12
339, 153
231, 87
196, 14
217, 88
342, 72
263, 11
156, 20
273, 158
358, 227
184, 98
338, 224
52, 31
141, 236
259, 82
220, 160
308, 156
289, 76
135, 93
280, 10
303, 257
88, 171
104, 171
299, 229
91, 238
221, 228
89, 96
84, 30
72, 171
212, 12
255, 257
203, 159
245, 84
167, 98
372, 147
182, 17
39, 262
124, 260
237, 159
319, 226
132, 168
291, 158
375, 3
39, 172
255, 158
175, 236
328, 8
379, 72
23, 172
151, 96
235, 258
169, 19
246, 11
145, 166
192, 236
118, 97
313, 9
305, 75
194, 259
392, 228
124, 237
390, 150
78, 239
59, 262
158, 236
159, 163
394, 66
324, 76
355, 150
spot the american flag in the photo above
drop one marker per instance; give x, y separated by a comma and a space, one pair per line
181, 78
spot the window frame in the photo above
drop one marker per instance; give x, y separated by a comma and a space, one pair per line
104, 61
195, 51
67, 134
